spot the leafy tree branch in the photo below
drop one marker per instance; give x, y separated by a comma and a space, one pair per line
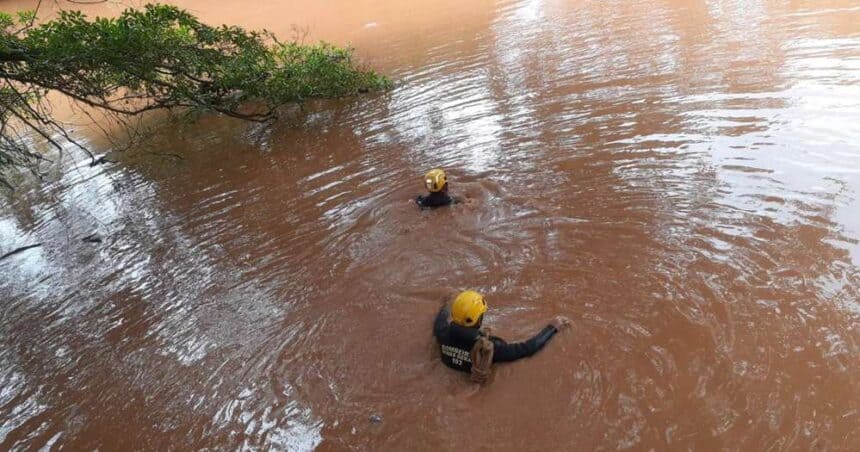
156, 58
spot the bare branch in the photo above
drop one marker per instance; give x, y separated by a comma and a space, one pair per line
19, 250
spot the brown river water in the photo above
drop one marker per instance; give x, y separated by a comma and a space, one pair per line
680, 178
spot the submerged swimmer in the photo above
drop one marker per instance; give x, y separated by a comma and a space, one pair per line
462, 341
437, 184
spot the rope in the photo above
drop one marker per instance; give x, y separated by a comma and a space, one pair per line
482, 359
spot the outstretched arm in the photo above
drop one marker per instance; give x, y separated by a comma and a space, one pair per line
505, 352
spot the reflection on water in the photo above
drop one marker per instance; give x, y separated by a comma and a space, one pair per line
679, 177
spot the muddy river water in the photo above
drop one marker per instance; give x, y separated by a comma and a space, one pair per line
680, 178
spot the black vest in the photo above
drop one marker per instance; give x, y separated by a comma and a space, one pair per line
456, 343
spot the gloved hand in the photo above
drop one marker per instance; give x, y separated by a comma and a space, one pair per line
560, 322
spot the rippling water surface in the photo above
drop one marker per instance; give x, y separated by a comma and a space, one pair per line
680, 178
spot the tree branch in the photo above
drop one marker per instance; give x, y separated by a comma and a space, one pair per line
18, 250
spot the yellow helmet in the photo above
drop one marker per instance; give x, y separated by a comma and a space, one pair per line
468, 308
435, 180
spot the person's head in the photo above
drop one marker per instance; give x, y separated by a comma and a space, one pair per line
436, 181
468, 309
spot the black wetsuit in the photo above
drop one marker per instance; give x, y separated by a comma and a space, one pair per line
455, 343
437, 199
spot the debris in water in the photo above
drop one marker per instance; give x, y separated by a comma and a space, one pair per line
93, 238
375, 419
19, 250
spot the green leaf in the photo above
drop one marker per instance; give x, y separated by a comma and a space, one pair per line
26, 17
6, 20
